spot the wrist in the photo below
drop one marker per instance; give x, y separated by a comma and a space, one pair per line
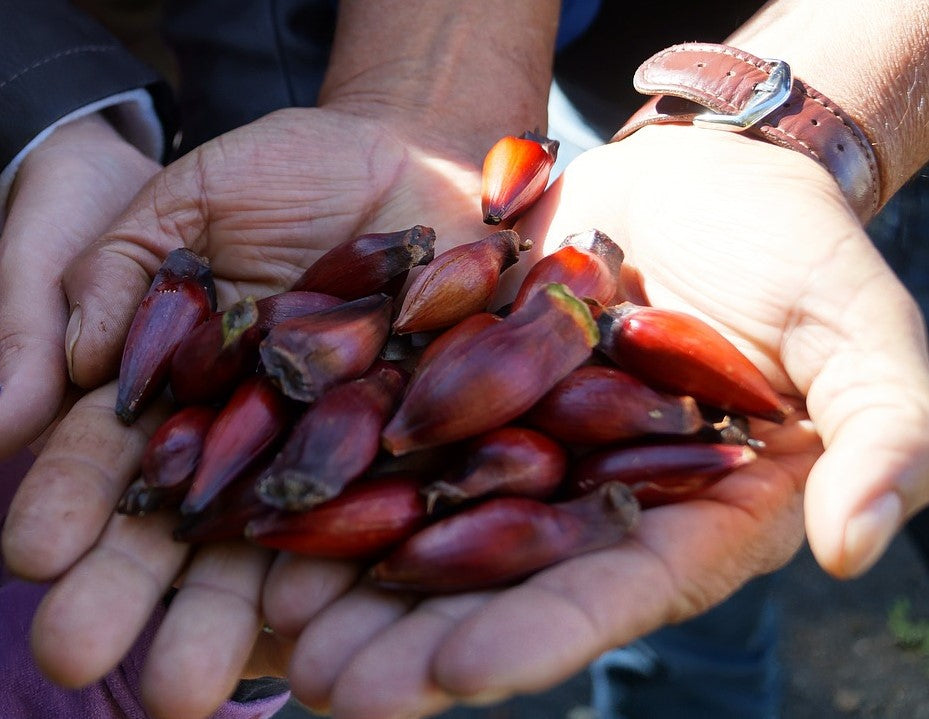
468, 74
870, 58
88, 136
88, 141
136, 126
725, 88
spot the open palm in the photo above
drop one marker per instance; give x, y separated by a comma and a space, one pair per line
262, 202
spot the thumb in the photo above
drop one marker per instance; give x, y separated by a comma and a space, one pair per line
870, 403
106, 282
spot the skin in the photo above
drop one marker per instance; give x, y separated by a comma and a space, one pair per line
91, 449
66, 193
488, 645
801, 291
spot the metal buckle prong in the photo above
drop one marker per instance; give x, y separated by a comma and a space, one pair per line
768, 96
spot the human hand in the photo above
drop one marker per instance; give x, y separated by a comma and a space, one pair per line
399, 142
101, 606
759, 242
261, 203
67, 191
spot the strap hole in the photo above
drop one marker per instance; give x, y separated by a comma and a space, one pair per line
730, 73
840, 148
701, 64
814, 122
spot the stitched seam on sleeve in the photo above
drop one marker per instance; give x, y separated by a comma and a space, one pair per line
57, 56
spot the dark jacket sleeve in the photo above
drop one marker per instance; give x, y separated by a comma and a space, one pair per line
54, 59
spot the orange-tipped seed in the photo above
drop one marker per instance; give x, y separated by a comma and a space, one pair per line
588, 263
305, 356
255, 417
367, 519
514, 175
334, 442
503, 540
599, 405
506, 461
660, 473
173, 452
369, 264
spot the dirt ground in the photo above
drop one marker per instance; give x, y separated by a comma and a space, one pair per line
848, 652
851, 650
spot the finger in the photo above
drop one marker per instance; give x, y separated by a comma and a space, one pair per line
872, 407
72, 396
391, 676
65, 500
203, 645
296, 588
333, 637
869, 398
33, 375
90, 618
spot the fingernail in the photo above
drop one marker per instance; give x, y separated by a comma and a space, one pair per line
72, 334
868, 533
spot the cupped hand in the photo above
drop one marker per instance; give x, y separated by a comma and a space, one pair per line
361, 652
759, 242
66, 193
260, 203
798, 288
693, 215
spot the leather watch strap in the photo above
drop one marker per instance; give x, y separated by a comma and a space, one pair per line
689, 79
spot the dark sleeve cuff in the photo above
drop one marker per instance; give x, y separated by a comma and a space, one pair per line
55, 60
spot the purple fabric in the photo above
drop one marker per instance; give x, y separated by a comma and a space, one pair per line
25, 693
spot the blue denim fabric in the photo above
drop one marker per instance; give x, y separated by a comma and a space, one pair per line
901, 233
720, 665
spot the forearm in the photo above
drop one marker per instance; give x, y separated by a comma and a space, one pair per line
871, 57
468, 72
